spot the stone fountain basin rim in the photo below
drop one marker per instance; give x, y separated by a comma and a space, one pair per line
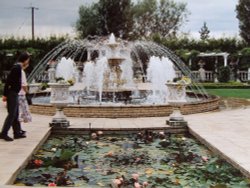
128, 111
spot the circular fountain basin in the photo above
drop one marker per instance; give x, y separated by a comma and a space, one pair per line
128, 110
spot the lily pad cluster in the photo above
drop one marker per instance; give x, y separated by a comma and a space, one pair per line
156, 158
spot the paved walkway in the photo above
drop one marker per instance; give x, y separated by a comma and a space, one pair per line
227, 132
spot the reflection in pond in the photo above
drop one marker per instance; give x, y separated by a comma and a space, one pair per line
143, 159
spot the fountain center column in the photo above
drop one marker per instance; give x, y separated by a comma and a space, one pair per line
113, 75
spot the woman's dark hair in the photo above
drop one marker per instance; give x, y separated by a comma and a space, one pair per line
23, 57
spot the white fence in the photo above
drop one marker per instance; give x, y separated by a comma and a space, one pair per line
209, 76
243, 76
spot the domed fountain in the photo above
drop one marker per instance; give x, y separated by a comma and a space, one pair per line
116, 78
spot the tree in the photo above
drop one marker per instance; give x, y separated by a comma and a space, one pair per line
204, 32
126, 20
106, 17
243, 14
115, 17
162, 17
143, 17
88, 24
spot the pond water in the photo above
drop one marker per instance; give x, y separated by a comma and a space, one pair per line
151, 159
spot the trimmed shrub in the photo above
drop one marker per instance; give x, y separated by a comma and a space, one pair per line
229, 85
224, 74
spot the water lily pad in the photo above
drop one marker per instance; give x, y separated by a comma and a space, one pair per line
79, 161
149, 171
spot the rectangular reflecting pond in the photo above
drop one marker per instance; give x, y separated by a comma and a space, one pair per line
142, 159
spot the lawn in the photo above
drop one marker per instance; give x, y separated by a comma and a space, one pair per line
235, 93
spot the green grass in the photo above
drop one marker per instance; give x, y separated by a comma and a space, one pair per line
234, 93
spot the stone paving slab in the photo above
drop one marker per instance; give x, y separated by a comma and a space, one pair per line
13, 155
227, 132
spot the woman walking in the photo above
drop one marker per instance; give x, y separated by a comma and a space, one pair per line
12, 87
24, 113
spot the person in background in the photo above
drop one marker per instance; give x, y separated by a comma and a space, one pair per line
10, 96
24, 113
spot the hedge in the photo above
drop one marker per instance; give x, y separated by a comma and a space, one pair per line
229, 85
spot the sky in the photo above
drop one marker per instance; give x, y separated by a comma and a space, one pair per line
57, 17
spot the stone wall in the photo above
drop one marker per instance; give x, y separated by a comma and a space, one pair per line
127, 111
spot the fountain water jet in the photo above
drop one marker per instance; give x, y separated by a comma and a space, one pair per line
159, 72
66, 69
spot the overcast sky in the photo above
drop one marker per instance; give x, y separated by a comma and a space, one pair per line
57, 17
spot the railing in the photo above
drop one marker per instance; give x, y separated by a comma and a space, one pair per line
243, 76
209, 76
42, 77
